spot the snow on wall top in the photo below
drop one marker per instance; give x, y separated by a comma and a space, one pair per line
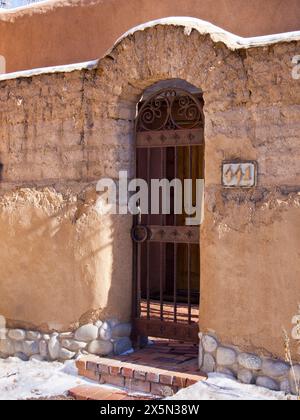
233, 42
7, 13
48, 70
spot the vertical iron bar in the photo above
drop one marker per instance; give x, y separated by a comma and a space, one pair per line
148, 222
175, 243
139, 280
189, 246
161, 244
189, 285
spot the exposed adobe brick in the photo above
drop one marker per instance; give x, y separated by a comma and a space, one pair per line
139, 374
135, 385
153, 377
91, 366
191, 381
112, 380
81, 364
115, 370
179, 380
166, 379
90, 374
103, 369
127, 372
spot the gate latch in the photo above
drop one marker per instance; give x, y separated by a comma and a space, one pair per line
140, 233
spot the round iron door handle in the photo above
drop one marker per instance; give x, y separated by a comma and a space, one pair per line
140, 233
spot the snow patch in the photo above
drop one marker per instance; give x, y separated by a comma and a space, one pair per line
221, 387
34, 379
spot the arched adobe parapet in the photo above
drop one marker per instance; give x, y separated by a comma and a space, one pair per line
192, 50
176, 51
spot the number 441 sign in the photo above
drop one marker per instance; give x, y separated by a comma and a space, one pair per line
239, 174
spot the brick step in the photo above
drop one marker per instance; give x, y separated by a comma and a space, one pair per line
98, 393
136, 378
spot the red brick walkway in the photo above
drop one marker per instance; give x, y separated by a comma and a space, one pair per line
158, 370
98, 393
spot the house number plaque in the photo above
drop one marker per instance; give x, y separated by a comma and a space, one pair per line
239, 174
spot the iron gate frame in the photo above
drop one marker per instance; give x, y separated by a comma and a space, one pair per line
168, 132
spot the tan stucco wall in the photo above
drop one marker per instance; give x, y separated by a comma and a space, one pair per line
65, 131
72, 31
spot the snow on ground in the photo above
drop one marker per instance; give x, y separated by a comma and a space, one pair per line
34, 379
220, 387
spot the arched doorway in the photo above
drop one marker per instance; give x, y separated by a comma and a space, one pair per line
169, 132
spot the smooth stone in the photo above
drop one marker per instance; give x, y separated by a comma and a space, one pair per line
122, 345
245, 376
66, 335
65, 354
209, 343
86, 333
54, 347
285, 387
294, 375
73, 345
265, 382
33, 335
275, 369
209, 364
226, 372
98, 324
18, 346
22, 356
121, 330
46, 337
18, 335
43, 349
30, 347
100, 347
249, 361
105, 332
226, 356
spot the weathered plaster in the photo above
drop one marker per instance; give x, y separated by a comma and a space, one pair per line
62, 132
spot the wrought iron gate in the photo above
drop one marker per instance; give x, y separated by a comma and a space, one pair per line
169, 144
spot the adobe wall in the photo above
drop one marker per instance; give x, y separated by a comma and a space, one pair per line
73, 31
63, 264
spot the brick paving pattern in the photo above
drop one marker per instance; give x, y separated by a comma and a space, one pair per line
159, 370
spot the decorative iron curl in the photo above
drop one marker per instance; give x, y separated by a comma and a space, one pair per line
170, 109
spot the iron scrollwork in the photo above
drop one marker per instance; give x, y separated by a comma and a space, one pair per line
170, 109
